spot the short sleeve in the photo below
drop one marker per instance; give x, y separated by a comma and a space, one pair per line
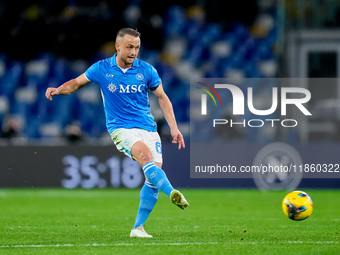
92, 72
154, 79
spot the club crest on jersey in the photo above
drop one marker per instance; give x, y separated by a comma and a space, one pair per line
139, 76
112, 87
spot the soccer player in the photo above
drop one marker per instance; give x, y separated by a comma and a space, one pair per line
125, 82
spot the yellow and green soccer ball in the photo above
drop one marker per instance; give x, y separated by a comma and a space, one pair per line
297, 205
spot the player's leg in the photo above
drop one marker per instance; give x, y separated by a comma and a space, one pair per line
124, 140
176, 196
154, 174
148, 194
148, 198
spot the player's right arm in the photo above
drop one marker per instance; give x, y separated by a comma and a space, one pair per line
68, 87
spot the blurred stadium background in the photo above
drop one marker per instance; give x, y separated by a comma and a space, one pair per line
45, 43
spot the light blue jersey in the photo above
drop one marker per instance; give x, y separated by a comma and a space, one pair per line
125, 95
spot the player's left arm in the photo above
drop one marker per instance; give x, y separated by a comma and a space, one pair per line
169, 116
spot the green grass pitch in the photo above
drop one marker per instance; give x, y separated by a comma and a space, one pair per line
59, 221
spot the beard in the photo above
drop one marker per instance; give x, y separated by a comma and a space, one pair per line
127, 61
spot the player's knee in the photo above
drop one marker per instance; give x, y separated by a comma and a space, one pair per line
145, 156
141, 153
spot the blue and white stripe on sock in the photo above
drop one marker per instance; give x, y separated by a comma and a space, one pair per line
148, 166
149, 184
157, 177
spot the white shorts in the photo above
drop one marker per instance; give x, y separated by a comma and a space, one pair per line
124, 139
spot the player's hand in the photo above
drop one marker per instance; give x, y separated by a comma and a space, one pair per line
177, 138
51, 92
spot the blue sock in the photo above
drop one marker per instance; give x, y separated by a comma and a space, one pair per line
157, 177
148, 198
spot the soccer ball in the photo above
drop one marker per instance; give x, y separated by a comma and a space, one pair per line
297, 205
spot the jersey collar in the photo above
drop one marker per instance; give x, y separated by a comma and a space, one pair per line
114, 63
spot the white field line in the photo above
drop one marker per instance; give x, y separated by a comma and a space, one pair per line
96, 245
161, 244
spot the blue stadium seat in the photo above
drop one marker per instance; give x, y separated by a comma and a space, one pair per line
240, 31
3, 67
38, 69
167, 74
175, 21
60, 71
264, 50
12, 78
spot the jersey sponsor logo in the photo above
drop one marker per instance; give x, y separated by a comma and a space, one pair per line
112, 87
131, 88
126, 89
139, 76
